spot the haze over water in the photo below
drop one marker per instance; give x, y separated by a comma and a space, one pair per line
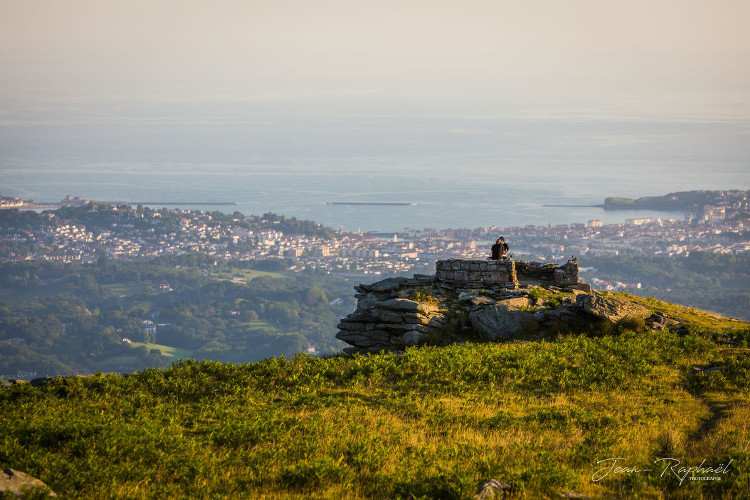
479, 112
456, 190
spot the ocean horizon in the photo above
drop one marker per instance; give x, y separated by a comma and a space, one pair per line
457, 172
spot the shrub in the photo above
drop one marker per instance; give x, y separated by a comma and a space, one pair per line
633, 324
423, 295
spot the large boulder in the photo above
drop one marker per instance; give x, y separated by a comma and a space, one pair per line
15, 482
492, 489
611, 308
499, 322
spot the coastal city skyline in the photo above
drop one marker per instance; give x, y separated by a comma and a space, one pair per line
140, 233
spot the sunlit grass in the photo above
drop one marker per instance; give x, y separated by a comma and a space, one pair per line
432, 422
172, 353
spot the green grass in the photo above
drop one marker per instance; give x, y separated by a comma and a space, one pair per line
685, 315
430, 423
126, 289
247, 274
173, 353
125, 361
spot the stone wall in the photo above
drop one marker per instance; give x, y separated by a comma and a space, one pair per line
495, 274
504, 274
562, 276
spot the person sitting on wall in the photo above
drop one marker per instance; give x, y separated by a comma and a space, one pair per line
500, 249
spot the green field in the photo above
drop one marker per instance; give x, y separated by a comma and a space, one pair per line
119, 362
173, 353
124, 289
433, 422
246, 274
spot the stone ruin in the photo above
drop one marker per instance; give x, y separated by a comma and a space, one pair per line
565, 276
505, 274
496, 274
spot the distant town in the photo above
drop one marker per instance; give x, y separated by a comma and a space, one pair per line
133, 233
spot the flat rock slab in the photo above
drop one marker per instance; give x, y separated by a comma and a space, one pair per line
482, 301
387, 285
611, 308
515, 303
407, 305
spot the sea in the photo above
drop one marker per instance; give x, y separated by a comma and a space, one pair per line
451, 172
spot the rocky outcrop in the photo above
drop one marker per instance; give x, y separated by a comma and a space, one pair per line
610, 308
395, 313
387, 319
398, 312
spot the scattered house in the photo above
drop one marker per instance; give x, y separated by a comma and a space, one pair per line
311, 349
126, 341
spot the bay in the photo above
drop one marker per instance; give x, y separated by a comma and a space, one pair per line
467, 172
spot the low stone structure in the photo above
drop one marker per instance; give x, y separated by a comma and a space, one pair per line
505, 274
494, 274
561, 276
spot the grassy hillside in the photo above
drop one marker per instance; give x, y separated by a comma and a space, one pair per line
432, 422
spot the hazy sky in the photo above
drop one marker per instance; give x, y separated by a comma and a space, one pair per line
663, 58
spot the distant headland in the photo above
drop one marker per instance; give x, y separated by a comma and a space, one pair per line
693, 201
689, 201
